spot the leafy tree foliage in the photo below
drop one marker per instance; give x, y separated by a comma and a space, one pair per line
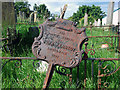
42, 10
94, 11
22, 6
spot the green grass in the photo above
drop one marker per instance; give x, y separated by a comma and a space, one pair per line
27, 77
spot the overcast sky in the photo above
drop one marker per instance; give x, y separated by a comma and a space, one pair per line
55, 5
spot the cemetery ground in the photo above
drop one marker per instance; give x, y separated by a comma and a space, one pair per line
27, 76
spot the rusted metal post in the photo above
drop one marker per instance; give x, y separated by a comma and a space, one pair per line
99, 78
63, 11
111, 41
70, 77
114, 43
85, 63
77, 75
92, 68
48, 76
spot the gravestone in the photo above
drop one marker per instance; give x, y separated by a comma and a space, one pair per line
23, 15
119, 12
60, 10
59, 43
95, 22
35, 16
86, 19
8, 20
20, 15
8, 17
8, 13
32, 17
99, 22
110, 13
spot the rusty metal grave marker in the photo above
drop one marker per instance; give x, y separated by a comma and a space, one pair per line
59, 43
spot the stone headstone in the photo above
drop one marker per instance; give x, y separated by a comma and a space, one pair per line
99, 22
110, 13
8, 21
35, 16
95, 23
8, 16
20, 15
86, 19
32, 17
119, 12
23, 15
60, 10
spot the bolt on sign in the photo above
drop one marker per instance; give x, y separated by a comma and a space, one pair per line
59, 43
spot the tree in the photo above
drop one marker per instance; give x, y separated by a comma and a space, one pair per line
35, 7
42, 10
22, 6
94, 11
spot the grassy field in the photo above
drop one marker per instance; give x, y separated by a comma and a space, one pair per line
27, 76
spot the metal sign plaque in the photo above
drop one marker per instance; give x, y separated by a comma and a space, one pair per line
59, 43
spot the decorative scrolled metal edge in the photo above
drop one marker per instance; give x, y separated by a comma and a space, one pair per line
18, 64
92, 53
62, 70
14, 64
110, 73
37, 64
36, 43
59, 68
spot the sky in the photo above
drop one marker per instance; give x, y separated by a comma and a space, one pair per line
54, 6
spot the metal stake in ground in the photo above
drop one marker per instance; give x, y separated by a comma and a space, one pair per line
63, 11
48, 76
